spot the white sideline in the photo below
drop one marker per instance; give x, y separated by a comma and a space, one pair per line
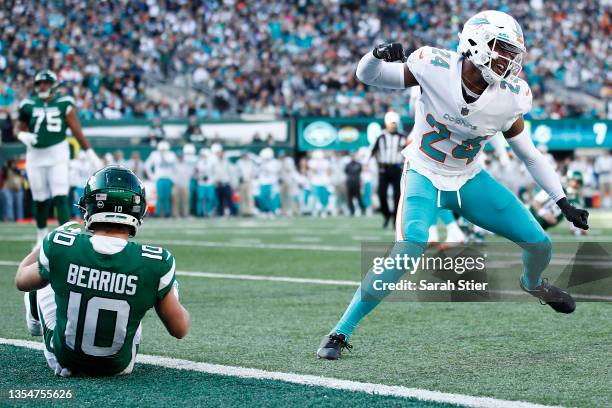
315, 281
313, 380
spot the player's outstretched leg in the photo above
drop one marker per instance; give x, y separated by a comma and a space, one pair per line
501, 212
416, 210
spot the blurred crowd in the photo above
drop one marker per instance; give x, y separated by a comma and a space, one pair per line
213, 182
278, 57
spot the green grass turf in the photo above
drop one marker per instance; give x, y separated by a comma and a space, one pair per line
178, 388
516, 351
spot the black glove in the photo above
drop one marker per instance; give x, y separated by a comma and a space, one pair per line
390, 52
576, 216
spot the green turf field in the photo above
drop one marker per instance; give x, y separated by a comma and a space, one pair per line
508, 351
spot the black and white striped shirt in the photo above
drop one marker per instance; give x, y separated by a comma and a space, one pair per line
388, 146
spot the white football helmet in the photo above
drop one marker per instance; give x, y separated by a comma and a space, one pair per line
484, 34
189, 150
266, 153
163, 146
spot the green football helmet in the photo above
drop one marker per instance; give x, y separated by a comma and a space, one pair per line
114, 195
576, 175
46, 75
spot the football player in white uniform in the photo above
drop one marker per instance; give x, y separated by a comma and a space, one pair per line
467, 97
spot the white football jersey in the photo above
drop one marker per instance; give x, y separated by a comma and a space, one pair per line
449, 134
269, 171
319, 171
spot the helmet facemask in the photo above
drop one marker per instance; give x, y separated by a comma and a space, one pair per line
501, 52
48, 77
43, 94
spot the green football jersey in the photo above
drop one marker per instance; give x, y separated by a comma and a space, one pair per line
46, 118
101, 298
550, 208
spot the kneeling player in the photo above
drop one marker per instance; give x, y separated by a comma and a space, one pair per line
94, 290
548, 214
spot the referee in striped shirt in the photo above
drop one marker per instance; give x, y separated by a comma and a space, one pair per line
387, 150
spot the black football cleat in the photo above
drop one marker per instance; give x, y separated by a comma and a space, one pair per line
558, 299
332, 345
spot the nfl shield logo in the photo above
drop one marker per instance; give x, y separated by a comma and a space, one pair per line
465, 111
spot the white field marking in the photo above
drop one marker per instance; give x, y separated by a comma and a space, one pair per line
559, 259
218, 244
276, 246
311, 240
287, 279
332, 282
367, 238
314, 381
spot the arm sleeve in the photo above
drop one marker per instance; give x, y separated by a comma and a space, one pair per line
375, 147
167, 276
25, 111
539, 168
43, 258
372, 71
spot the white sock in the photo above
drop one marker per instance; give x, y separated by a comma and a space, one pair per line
41, 233
454, 233
433, 234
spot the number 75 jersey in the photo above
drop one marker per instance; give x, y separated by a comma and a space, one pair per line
103, 288
449, 133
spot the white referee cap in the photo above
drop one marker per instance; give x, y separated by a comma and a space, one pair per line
392, 117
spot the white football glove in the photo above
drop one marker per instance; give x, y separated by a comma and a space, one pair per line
94, 159
27, 138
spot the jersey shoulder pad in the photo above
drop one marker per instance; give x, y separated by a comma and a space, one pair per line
160, 262
67, 102
520, 94
64, 237
427, 61
26, 103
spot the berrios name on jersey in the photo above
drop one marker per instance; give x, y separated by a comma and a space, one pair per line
449, 134
103, 288
105, 281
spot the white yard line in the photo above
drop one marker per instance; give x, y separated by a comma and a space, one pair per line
332, 282
313, 380
227, 244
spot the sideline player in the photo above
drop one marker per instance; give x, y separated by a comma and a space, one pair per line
94, 290
548, 214
42, 124
467, 97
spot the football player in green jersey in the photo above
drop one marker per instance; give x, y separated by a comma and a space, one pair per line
42, 124
94, 289
548, 214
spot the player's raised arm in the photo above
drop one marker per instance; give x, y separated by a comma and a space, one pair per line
543, 173
380, 68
